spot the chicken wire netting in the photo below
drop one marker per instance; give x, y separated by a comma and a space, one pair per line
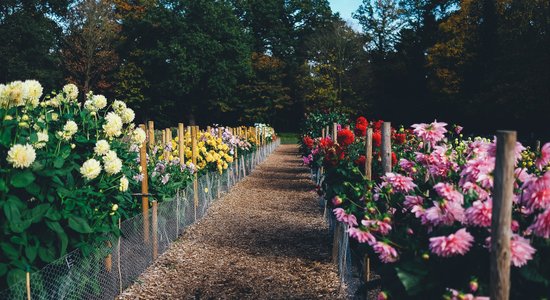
117, 262
349, 258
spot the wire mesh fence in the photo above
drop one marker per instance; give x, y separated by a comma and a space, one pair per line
346, 253
117, 263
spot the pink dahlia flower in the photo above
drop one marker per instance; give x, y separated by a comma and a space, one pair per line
479, 214
386, 253
361, 236
378, 226
541, 226
443, 213
344, 217
411, 201
448, 191
468, 187
544, 158
407, 166
399, 183
479, 171
521, 250
537, 192
430, 133
458, 243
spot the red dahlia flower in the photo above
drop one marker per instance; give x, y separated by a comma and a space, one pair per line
393, 159
377, 138
378, 125
362, 121
400, 138
308, 142
360, 129
345, 137
360, 161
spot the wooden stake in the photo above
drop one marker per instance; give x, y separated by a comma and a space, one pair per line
169, 142
181, 144
28, 286
151, 134
386, 147
164, 151
144, 189
334, 131
109, 259
194, 160
368, 154
501, 232
155, 230
323, 133
119, 259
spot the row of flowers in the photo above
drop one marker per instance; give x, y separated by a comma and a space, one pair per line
67, 170
428, 220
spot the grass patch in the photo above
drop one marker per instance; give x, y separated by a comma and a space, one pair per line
289, 137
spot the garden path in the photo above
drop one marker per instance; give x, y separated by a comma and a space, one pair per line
265, 239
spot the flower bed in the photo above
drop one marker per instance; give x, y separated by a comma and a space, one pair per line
428, 220
68, 170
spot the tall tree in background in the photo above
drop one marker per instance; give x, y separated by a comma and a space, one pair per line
30, 40
381, 21
89, 54
264, 96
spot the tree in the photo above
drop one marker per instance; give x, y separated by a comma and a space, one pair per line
381, 21
89, 55
30, 41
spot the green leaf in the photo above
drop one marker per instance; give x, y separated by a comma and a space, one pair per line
33, 189
46, 254
22, 179
79, 225
9, 251
411, 275
12, 211
3, 186
58, 162
38, 212
55, 226
15, 276
31, 251
53, 214
531, 274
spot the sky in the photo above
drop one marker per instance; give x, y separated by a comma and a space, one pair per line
346, 8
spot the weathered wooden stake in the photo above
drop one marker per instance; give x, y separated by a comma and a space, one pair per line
109, 258
155, 230
164, 143
195, 153
28, 277
119, 259
537, 145
151, 134
181, 144
368, 154
144, 189
501, 232
386, 147
334, 131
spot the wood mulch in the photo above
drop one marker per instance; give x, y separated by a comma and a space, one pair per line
265, 239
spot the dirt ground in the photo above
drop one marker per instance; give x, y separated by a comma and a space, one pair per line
266, 239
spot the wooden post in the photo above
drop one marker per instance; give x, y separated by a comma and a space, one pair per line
220, 132
155, 230
368, 154
28, 277
208, 129
194, 160
109, 259
164, 151
501, 232
181, 144
144, 189
323, 133
537, 145
335, 131
169, 142
327, 132
386, 147
151, 134
119, 260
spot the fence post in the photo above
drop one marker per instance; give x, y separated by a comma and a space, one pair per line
28, 278
501, 231
144, 187
155, 230
151, 134
368, 176
181, 144
334, 131
169, 142
194, 160
164, 151
386, 147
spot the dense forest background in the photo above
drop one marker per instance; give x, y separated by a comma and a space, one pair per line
484, 64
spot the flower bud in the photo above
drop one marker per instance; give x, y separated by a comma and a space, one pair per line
473, 285
382, 296
8, 118
115, 207
25, 118
337, 200
425, 256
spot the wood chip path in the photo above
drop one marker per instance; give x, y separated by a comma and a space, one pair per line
266, 239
